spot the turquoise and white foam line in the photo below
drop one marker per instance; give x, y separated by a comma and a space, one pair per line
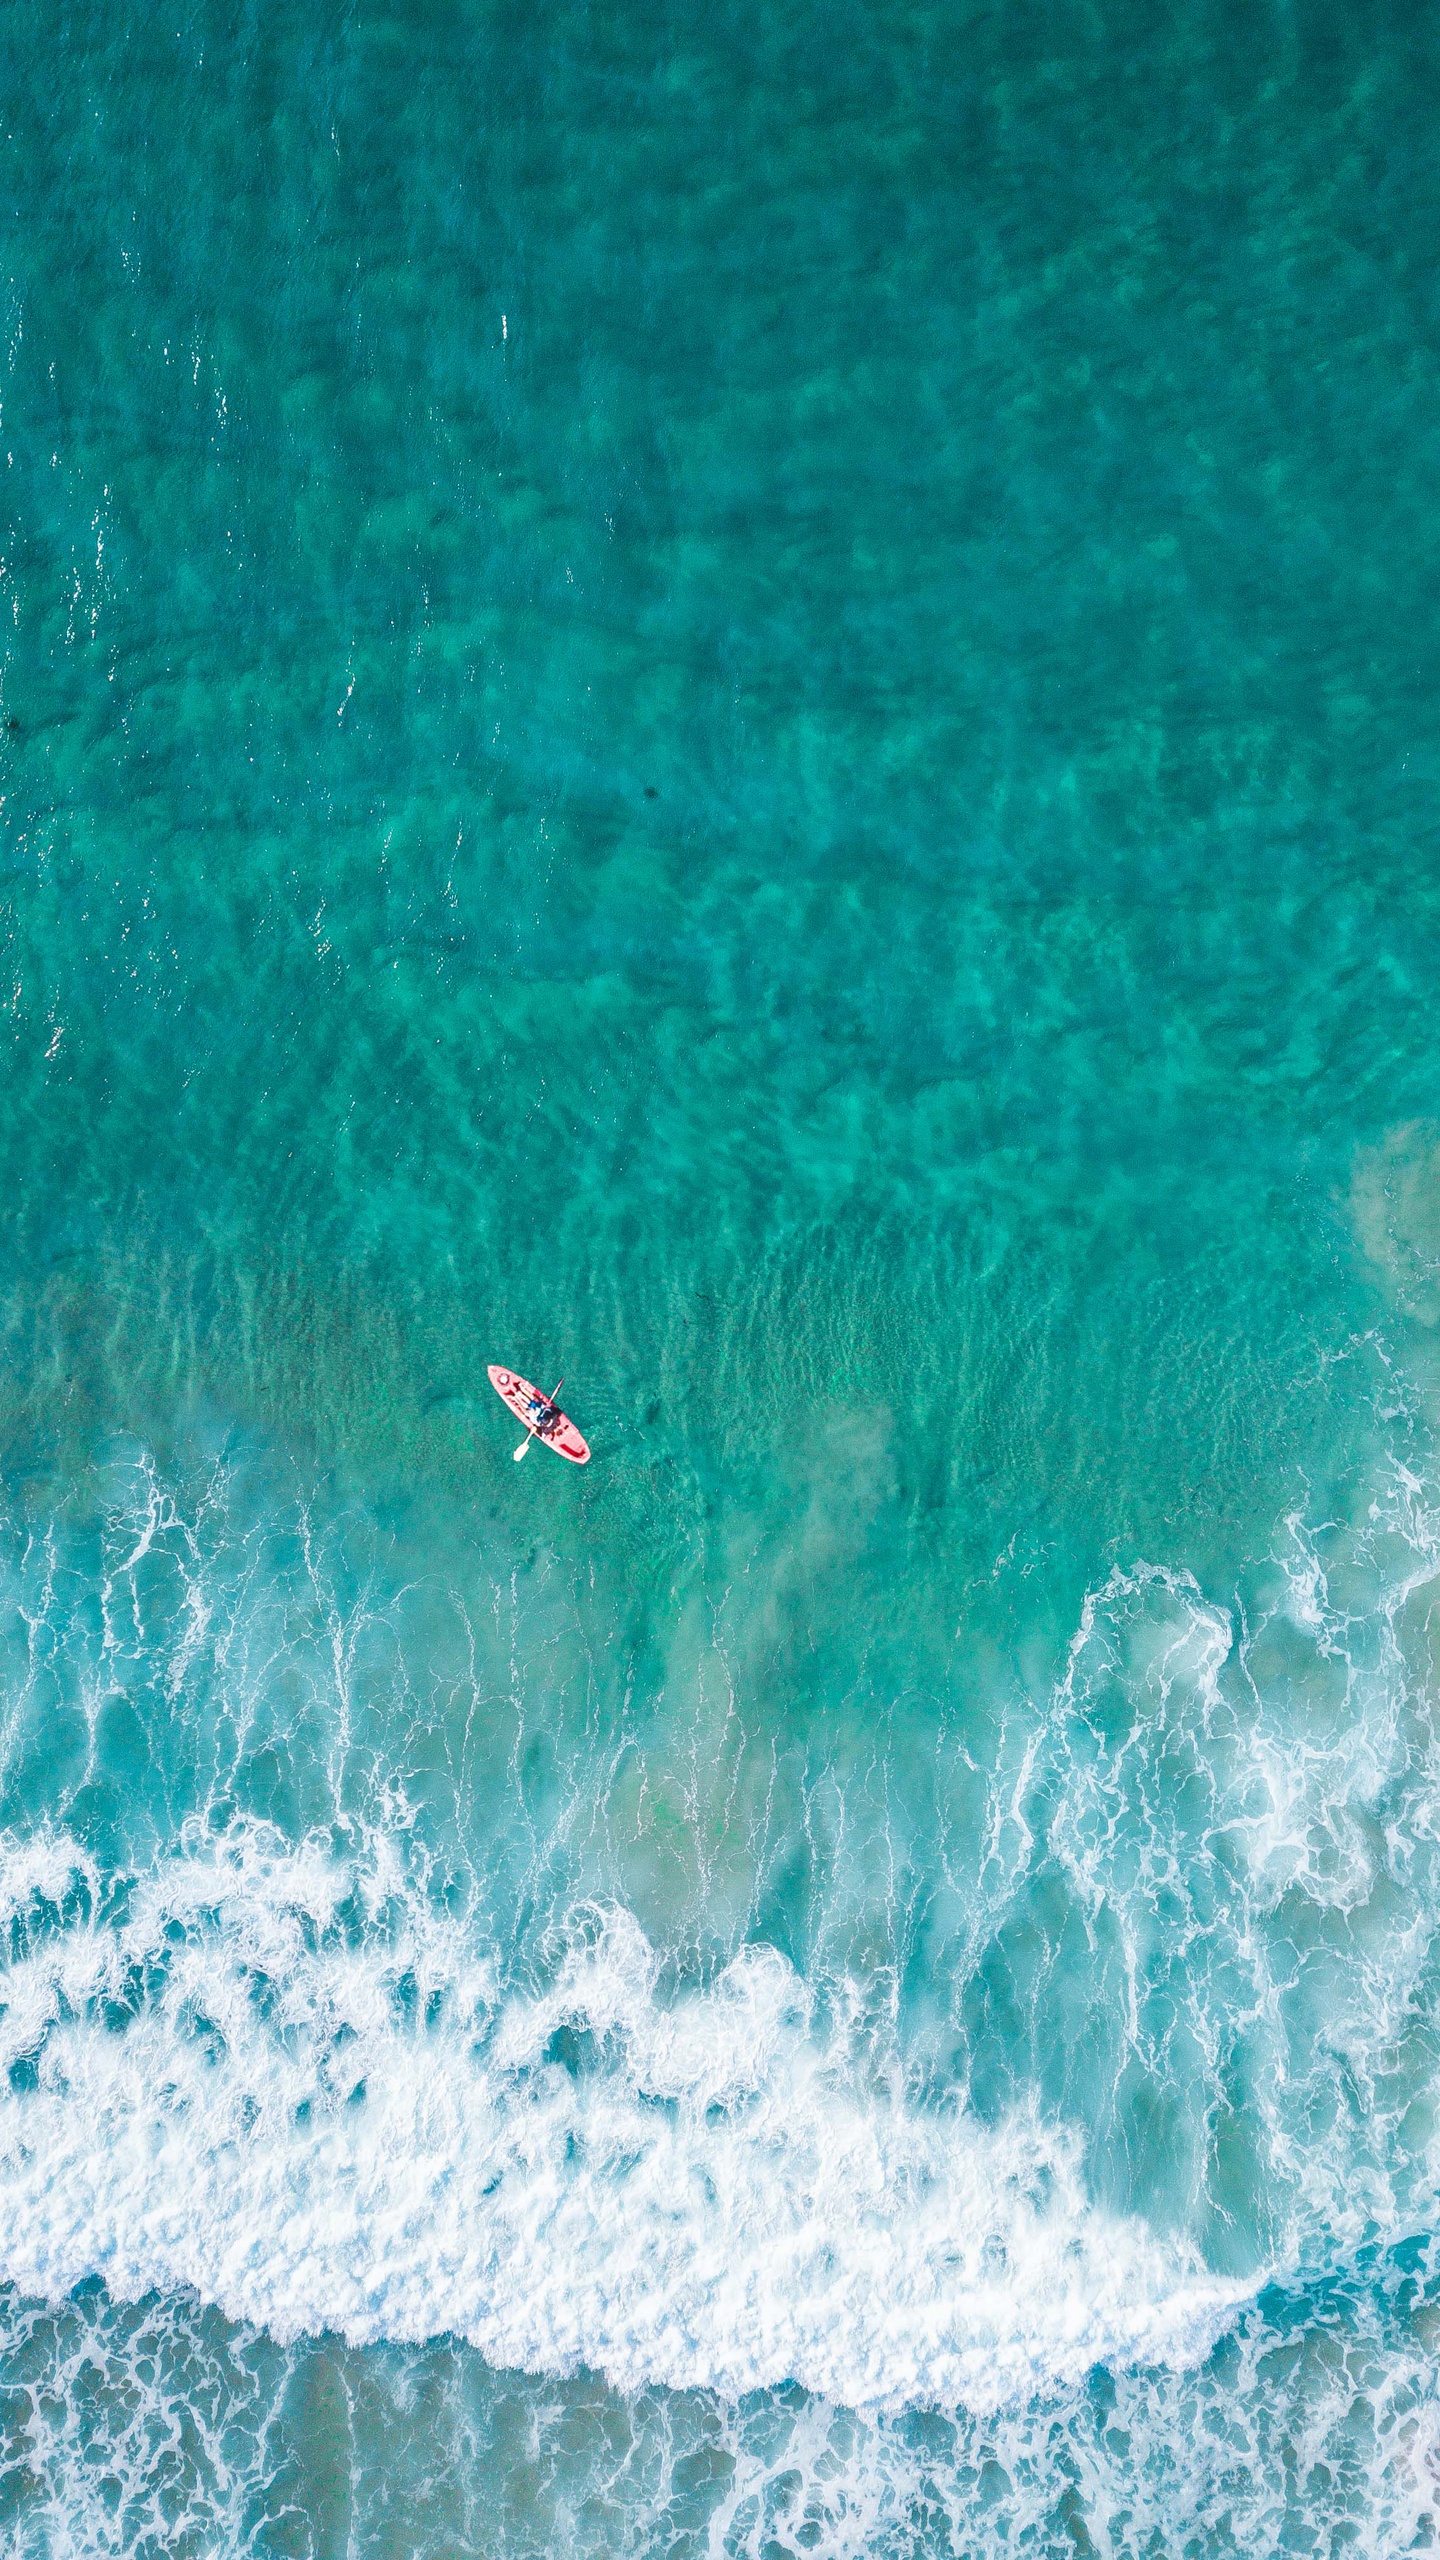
719, 2205
362, 2082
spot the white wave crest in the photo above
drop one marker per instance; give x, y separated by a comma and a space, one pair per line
292, 2086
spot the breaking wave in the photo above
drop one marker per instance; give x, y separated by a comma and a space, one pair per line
288, 2084
1080, 2158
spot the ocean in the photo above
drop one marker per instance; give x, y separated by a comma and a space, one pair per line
739, 705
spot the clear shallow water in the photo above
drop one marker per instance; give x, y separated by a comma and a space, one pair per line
742, 709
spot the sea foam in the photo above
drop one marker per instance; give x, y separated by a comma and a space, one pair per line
290, 2084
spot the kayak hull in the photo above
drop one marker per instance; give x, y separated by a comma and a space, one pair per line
522, 1399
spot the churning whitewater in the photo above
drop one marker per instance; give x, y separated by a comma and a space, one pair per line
316, 2081
284, 2083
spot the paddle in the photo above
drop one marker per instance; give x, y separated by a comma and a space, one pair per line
531, 1428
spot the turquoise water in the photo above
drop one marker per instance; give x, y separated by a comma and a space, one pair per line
738, 704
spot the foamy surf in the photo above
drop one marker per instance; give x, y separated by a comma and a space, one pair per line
283, 2083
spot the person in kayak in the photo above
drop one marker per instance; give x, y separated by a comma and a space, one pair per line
544, 1416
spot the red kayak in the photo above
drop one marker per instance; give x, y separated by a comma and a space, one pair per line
541, 1416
